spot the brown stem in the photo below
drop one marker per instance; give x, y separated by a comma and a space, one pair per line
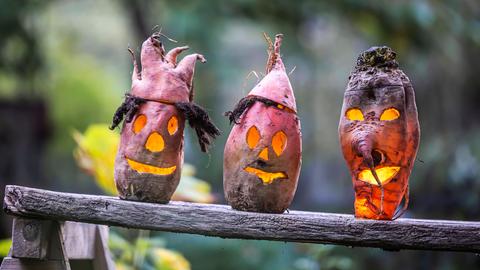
278, 43
273, 50
374, 173
364, 148
136, 74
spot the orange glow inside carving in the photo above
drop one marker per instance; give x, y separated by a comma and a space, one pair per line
363, 208
385, 174
354, 114
390, 114
266, 177
253, 137
144, 168
139, 123
264, 154
279, 142
172, 125
155, 142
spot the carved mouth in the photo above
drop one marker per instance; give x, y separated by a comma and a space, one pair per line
266, 177
385, 175
144, 168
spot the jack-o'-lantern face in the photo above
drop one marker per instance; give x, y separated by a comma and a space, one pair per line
277, 146
156, 143
262, 159
150, 155
262, 156
379, 137
378, 119
154, 151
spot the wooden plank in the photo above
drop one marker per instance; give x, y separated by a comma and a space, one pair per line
222, 221
79, 239
103, 259
30, 264
36, 244
30, 238
85, 241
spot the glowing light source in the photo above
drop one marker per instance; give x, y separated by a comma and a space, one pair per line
385, 174
354, 114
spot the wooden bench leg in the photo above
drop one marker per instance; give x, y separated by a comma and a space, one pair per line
36, 245
43, 244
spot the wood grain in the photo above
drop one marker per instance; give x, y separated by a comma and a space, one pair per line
222, 221
9, 263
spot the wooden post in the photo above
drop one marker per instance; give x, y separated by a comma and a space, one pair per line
30, 238
36, 245
43, 244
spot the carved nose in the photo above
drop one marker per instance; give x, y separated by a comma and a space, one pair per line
264, 154
155, 142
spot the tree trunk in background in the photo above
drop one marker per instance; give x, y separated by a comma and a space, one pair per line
23, 136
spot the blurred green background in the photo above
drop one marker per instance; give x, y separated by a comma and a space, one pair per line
64, 66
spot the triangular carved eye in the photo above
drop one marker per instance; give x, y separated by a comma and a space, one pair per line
253, 137
172, 125
390, 114
139, 123
354, 114
279, 142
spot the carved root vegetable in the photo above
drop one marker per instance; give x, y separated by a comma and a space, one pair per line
263, 152
150, 155
379, 134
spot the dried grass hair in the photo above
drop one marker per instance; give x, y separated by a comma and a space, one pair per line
244, 104
127, 110
199, 120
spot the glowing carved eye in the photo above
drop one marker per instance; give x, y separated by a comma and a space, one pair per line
354, 114
139, 123
172, 125
279, 142
253, 136
390, 114
155, 142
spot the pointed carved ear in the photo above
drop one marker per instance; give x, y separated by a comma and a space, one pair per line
171, 56
186, 67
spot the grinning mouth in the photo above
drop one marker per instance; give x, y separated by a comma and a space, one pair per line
144, 168
385, 175
266, 177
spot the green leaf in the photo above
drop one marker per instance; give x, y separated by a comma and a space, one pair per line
5, 245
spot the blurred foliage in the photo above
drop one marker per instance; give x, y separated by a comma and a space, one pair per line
5, 245
144, 253
326, 257
21, 55
252, 254
79, 94
96, 152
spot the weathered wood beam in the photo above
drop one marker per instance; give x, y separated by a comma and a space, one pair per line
222, 221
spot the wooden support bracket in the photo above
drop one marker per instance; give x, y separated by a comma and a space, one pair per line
43, 244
